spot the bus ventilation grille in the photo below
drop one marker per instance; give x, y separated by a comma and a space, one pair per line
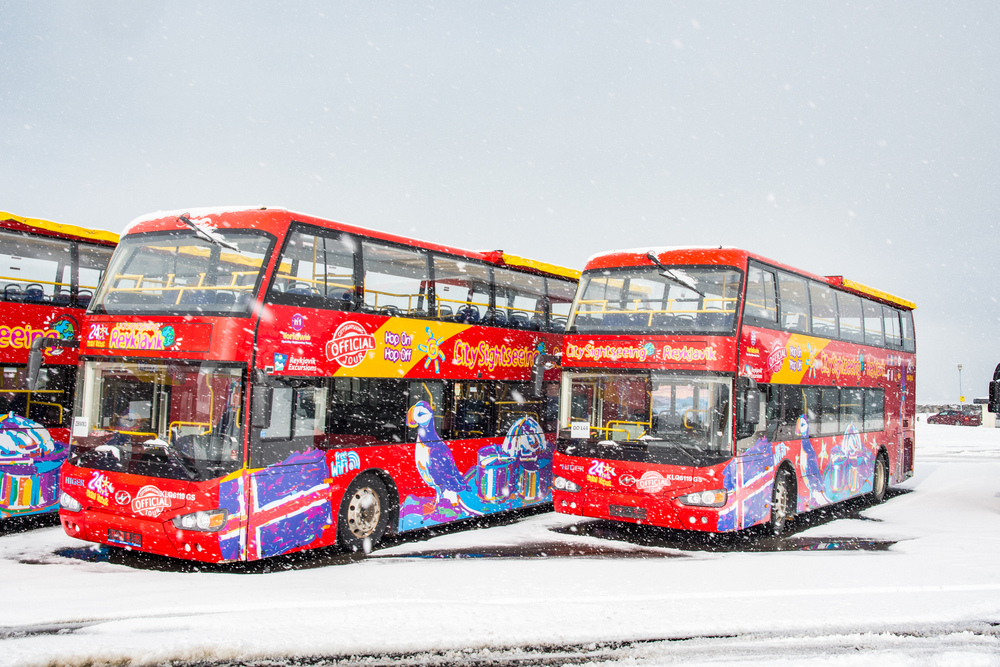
627, 512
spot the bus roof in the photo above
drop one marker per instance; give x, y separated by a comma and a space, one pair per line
49, 228
273, 219
729, 256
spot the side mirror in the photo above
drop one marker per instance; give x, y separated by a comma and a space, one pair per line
35, 356
543, 362
261, 417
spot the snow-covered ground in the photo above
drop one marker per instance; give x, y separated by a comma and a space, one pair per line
913, 581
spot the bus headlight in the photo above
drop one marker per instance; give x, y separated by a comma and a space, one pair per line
564, 484
207, 521
715, 498
69, 503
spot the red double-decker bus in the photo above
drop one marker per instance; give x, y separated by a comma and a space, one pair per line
258, 381
48, 272
714, 389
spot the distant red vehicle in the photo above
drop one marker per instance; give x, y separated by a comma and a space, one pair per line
955, 417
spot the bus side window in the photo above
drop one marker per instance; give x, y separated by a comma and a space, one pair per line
794, 302
560, 295
279, 426
873, 323
890, 316
516, 401
824, 310
760, 304
849, 308
396, 280
907, 330
874, 409
852, 409
471, 414
772, 414
461, 290
431, 393
520, 299
317, 270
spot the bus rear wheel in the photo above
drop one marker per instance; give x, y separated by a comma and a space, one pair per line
364, 513
781, 503
880, 481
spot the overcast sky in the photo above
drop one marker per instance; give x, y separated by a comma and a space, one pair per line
855, 139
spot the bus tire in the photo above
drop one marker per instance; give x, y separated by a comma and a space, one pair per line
880, 480
364, 513
781, 503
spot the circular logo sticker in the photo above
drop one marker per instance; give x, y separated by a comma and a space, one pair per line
123, 497
150, 501
349, 345
651, 482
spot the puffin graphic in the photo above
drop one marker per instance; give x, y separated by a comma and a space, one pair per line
434, 459
809, 463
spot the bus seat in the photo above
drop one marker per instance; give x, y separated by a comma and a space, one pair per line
558, 324
390, 310
445, 311
33, 293
12, 293
83, 298
714, 321
468, 314
517, 320
61, 299
197, 298
617, 319
535, 323
500, 318
225, 299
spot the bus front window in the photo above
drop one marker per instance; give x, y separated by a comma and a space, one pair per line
656, 413
175, 420
182, 272
679, 299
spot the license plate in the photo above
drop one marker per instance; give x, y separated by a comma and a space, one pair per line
626, 512
124, 537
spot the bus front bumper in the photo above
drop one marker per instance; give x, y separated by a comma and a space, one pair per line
146, 535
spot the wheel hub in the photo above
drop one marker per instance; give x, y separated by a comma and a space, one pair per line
364, 512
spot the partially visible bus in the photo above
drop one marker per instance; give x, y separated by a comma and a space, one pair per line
48, 274
713, 389
259, 381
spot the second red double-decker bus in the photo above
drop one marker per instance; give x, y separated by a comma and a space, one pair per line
257, 381
714, 389
48, 272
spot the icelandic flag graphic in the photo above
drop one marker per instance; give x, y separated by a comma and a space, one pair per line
289, 504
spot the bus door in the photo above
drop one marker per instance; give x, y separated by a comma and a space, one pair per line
288, 487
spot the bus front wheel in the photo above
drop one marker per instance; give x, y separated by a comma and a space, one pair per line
364, 513
781, 502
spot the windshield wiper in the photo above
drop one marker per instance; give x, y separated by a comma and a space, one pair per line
669, 275
674, 445
208, 235
173, 455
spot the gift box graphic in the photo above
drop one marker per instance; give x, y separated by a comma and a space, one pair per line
529, 481
494, 475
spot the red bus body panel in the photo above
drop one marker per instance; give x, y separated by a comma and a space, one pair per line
29, 475
294, 505
828, 469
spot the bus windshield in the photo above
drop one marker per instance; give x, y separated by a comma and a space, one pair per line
674, 299
184, 272
656, 417
175, 420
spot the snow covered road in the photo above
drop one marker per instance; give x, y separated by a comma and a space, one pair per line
913, 581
